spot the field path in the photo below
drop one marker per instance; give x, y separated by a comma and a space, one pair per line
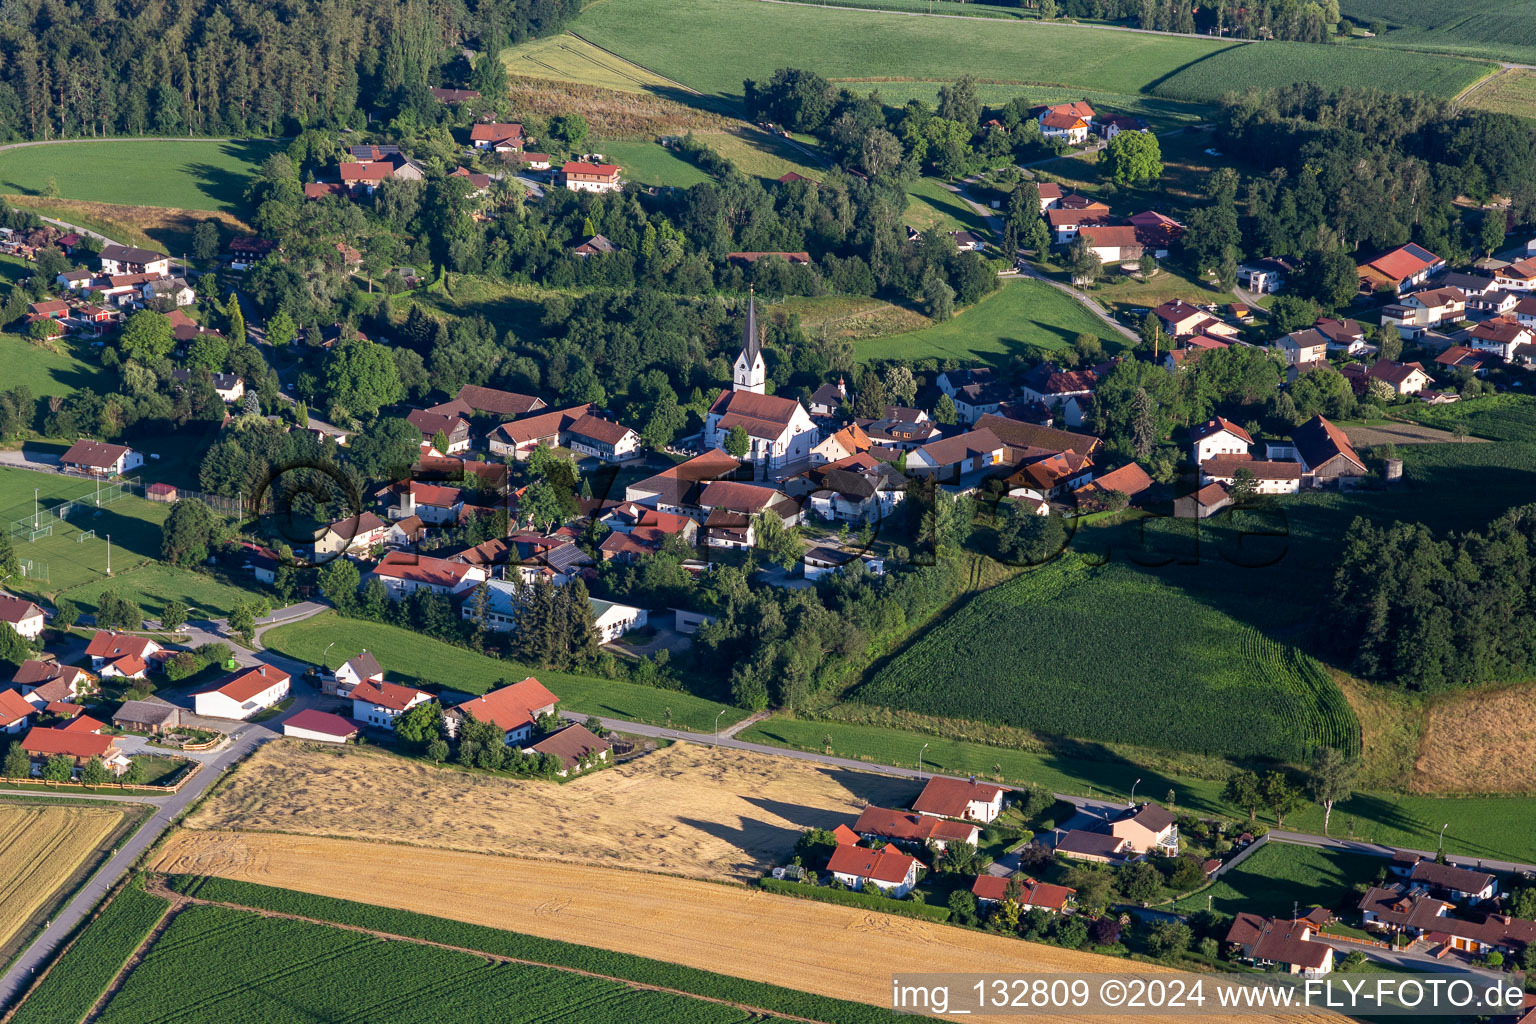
180, 901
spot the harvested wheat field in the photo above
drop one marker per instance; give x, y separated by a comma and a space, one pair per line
41, 847
684, 809
815, 947
1483, 742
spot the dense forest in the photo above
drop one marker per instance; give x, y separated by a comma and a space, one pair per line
203, 67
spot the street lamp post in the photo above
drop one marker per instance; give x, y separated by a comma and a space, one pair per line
1440, 845
324, 653
717, 724
1133, 791
920, 754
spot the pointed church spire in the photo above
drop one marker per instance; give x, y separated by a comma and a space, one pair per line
751, 343
750, 372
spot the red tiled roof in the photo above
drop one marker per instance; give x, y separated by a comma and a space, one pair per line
912, 827
14, 707
405, 565
116, 645
845, 836
64, 708
365, 172
1217, 425
243, 685
950, 797
737, 497
16, 610
886, 865
599, 429
48, 742
315, 720
763, 416
436, 495
1110, 236
1319, 441
495, 132
594, 170
1211, 494
83, 723
510, 707
545, 424
1222, 467
571, 744
1129, 479
1401, 263
388, 695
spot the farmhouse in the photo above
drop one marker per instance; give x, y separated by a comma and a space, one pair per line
580, 176
575, 746
1180, 318
1269, 477
15, 711
1130, 480
403, 573
957, 798
950, 459
452, 426
515, 709
1065, 223
97, 458
244, 693
1219, 436
602, 439
1156, 232
23, 616
121, 656
125, 259
1055, 124
41, 744
1023, 441
1054, 387
1325, 453
378, 703
1112, 243
887, 868
851, 440
906, 827
501, 138
319, 727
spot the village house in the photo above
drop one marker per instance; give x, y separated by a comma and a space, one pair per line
951, 458
1399, 909
1180, 318
1401, 270
1500, 336
1148, 829
851, 440
819, 561
677, 489
1519, 276
729, 509
975, 392
319, 727
1054, 388
575, 747
900, 435
229, 387
1156, 232
1065, 223
436, 504
1067, 127
125, 259
1459, 357
453, 427
121, 656
519, 438
352, 673
636, 531
1302, 348
1459, 885
827, 399
480, 184
379, 703
916, 829
499, 138
1113, 243
1130, 480
857, 489
887, 868
243, 693
990, 889
958, 798
98, 458
1095, 847
1264, 276
403, 573
16, 712
1418, 311
515, 709
581, 176
1265, 941
1219, 436
1024, 442
23, 616
601, 439
42, 744
1346, 336
43, 681
1402, 378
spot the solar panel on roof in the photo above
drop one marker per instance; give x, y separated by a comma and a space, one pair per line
564, 556
1421, 252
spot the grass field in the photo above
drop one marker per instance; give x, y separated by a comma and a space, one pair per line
935, 208
1274, 64
1022, 318
1483, 742
44, 851
650, 163
1512, 91
1502, 30
1280, 876
82, 975
756, 152
185, 175
47, 372
156, 227
328, 974
1505, 417
728, 930
154, 584
570, 58
735, 39
410, 658
688, 810
1482, 826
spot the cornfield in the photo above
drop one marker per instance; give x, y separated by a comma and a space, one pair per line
1110, 654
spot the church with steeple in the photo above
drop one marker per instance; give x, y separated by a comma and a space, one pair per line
779, 430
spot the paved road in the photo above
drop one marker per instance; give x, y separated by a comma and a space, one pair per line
1380, 850
1086, 300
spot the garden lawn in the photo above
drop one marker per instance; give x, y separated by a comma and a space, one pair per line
1491, 827
191, 175
411, 658
1280, 876
1021, 318
650, 163
47, 372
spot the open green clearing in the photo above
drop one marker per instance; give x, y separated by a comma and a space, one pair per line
1502, 29
729, 40
1487, 826
411, 658
133, 523
650, 163
85, 971
1512, 91
935, 208
1185, 677
153, 585
756, 152
47, 372
1022, 318
189, 175
1280, 876
1273, 64
292, 972
528, 947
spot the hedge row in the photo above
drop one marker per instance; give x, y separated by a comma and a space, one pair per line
529, 947
849, 898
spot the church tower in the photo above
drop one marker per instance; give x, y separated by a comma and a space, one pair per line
750, 373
